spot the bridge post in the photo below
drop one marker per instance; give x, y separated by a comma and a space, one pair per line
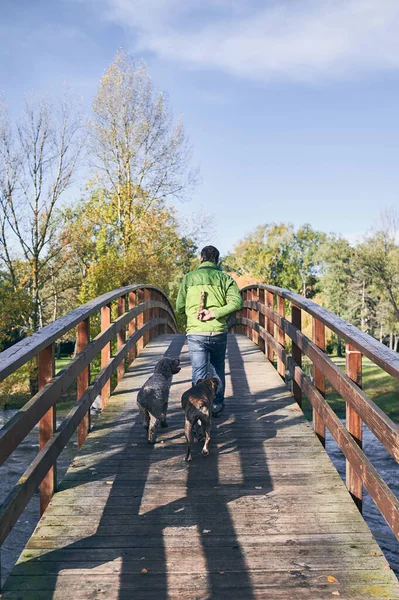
105, 353
132, 327
319, 338
121, 337
255, 316
281, 335
140, 320
354, 423
47, 425
270, 326
83, 338
147, 316
296, 319
261, 300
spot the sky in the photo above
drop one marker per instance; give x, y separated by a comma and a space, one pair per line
291, 105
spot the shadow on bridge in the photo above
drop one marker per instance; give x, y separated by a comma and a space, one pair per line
157, 504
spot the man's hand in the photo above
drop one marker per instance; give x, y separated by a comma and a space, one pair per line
205, 315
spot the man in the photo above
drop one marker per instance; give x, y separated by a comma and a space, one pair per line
206, 325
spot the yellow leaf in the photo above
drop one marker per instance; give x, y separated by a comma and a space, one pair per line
332, 579
144, 571
373, 553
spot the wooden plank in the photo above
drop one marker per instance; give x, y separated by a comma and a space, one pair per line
83, 380
47, 426
354, 423
296, 319
319, 339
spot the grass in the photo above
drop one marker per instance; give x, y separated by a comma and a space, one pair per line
378, 385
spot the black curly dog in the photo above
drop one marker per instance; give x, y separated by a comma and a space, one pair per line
153, 397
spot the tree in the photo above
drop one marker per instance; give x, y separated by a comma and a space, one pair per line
139, 154
38, 158
276, 254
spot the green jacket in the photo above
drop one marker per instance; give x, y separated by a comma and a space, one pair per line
223, 297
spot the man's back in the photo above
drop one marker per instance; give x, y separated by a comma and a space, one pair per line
222, 297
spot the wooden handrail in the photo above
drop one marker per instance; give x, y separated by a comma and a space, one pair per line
143, 322
360, 472
20, 353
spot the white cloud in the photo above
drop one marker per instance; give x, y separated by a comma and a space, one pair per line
301, 40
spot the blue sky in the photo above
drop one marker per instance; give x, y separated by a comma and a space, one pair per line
291, 105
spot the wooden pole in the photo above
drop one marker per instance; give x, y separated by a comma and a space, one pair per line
319, 338
47, 426
121, 338
140, 320
354, 423
296, 319
270, 326
83, 381
105, 352
261, 296
281, 335
132, 327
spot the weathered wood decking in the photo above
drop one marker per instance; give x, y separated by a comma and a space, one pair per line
264, 516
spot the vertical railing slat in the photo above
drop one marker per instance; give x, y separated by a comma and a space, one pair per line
140, 321
121, 337
270, 326
319, 338
261, 300
83, 380
47, 425
105, 352
281, 335
296, 319
354, 423
132, 327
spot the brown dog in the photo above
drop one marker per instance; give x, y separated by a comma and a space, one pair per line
197, 403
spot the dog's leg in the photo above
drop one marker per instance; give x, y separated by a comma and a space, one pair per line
206, 427
145, 417
165, 401
189, 434
154, 422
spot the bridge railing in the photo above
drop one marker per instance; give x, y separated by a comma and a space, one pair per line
263, 320
140, 313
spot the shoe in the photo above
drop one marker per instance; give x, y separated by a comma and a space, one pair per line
217, 409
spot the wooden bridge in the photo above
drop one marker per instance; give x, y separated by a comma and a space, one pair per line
266, 515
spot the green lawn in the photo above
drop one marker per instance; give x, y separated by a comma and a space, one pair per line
378, 385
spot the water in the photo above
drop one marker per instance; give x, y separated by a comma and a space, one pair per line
21, 458
388, 468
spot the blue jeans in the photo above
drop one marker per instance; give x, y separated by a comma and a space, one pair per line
207, 351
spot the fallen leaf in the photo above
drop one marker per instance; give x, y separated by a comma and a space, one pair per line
109, 482
258, 487
143, 571
206, 531
332, 579
335, 594
387, 567
373, 553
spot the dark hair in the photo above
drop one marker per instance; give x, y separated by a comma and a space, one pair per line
210, 253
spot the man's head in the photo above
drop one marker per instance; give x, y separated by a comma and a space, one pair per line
210, 253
